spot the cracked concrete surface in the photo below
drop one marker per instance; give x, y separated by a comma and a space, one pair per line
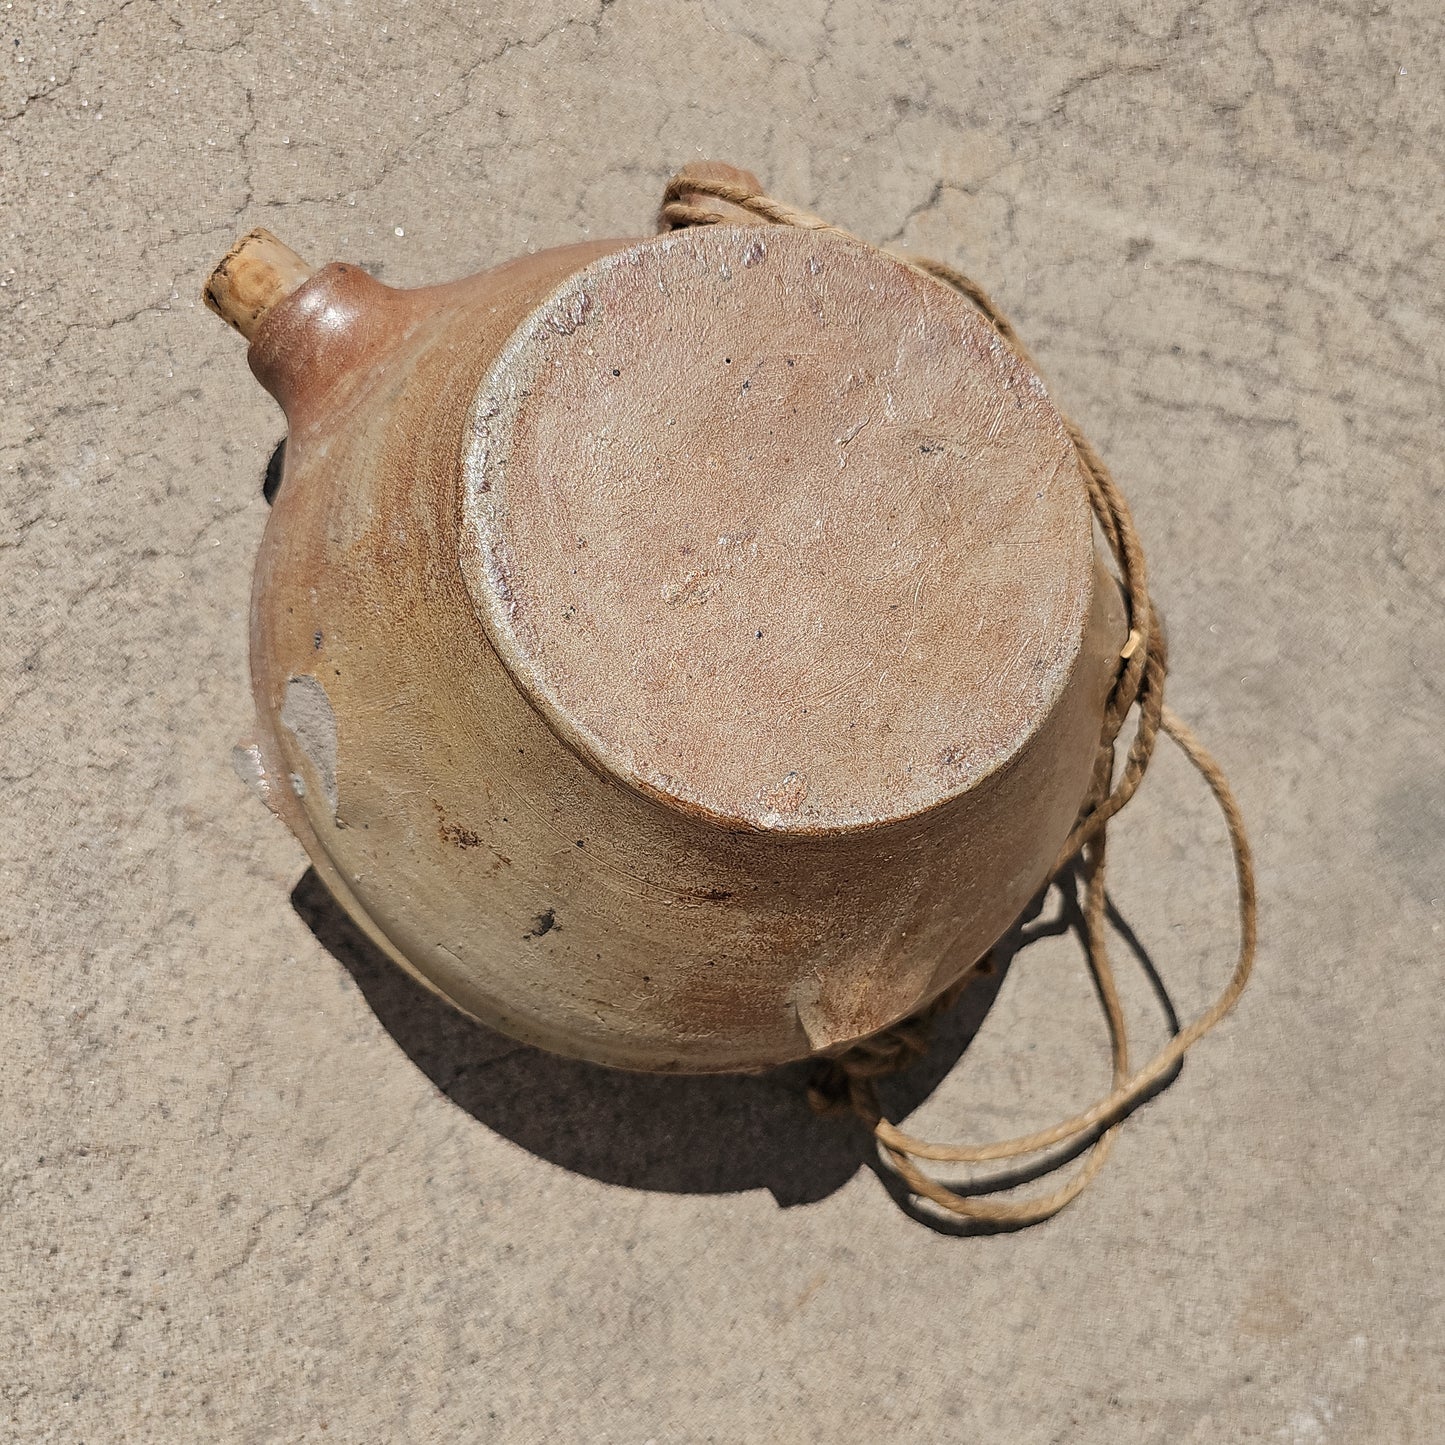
255, 1188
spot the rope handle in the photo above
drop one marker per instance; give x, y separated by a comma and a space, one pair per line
1138, 689
903, 1150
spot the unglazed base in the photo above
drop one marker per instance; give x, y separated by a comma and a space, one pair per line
776, 529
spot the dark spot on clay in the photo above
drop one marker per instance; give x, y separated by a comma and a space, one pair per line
758, 633
929, 447
460, 837
616, 371
790, 361
728, 360
544, 922
454, 833
712, 895
316, 639
580, 843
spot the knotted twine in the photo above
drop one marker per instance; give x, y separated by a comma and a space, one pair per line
849, 1078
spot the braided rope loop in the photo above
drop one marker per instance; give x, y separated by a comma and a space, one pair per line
848, 1081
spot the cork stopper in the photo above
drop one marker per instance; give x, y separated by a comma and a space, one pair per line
256, 273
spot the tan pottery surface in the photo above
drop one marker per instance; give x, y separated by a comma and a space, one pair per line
792, 877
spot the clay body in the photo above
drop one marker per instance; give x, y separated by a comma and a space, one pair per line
685, 653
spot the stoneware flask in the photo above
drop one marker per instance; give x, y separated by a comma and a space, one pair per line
685, 653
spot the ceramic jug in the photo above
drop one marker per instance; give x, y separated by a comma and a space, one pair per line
686, 652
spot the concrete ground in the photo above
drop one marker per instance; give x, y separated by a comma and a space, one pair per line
257, 1188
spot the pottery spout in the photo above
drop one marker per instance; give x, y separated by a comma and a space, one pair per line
307, 328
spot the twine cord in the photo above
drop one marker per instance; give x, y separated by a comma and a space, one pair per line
849, 1080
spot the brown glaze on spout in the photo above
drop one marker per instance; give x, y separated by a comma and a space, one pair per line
338, 329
